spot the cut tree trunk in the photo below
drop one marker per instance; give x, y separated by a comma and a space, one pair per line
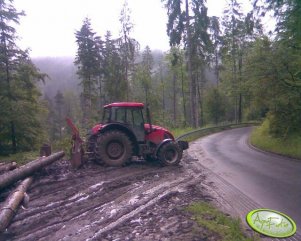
28, 169
7, 166
12, 203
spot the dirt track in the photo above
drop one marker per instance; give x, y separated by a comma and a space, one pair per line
141, 201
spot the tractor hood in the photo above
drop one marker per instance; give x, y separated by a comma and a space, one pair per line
158, 134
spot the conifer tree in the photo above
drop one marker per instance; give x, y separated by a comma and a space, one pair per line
128, 47
88, 61
19, 96
114, 84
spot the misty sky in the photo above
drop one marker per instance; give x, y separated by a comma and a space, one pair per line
49, 25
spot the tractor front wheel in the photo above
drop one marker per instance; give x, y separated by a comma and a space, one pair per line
170, 154
113, 148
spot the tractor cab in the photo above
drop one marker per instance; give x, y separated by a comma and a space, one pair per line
129, 114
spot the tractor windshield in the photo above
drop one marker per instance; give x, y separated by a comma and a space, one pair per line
131, 116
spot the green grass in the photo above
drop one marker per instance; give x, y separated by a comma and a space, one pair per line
290, 146
20, 158
229, 229
62, 145
180, 131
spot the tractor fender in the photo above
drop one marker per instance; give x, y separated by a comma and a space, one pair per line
161, 144
124, 129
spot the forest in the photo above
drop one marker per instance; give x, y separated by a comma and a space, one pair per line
219, 69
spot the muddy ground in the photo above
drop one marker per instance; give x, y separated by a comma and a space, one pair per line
142, 201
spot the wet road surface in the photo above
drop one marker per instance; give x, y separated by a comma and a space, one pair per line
270, 180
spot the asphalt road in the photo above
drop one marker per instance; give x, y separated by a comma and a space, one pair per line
271, 180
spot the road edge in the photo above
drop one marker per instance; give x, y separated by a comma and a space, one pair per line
251, 146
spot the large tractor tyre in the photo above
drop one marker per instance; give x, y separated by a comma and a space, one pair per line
170, 154
113, 148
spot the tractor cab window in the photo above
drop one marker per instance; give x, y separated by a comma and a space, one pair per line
120, 115
137, 117
138, 124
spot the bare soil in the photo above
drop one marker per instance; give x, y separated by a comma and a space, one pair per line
142, 201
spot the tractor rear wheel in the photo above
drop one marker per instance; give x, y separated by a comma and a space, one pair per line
113, 148
170, 154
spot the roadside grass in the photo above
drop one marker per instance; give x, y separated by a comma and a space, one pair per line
290, 146
228, 228
20, 158
180, 131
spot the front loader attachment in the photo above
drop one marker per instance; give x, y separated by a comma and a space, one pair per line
77, 150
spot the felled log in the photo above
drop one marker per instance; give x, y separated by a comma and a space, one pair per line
7, 166
12, 203
28, 169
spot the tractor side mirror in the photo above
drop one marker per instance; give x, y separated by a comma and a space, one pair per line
149, 119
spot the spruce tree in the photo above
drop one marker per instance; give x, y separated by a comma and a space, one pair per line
19, 96
88, 61
114, 85
128, 47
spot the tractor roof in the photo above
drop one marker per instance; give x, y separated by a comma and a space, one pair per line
124, 104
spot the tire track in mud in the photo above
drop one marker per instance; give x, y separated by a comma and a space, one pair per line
86, 204
150, 201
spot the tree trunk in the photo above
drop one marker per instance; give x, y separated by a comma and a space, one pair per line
183, 94
7, 166
100, 104
28, 169
174, 99
12, 203
239, 88
235, 88
13, 136
216, 68
126, 81
192, 85
240, 108
200, 95
163, 94
146, 96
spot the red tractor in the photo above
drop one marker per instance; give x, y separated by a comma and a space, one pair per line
123, 133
